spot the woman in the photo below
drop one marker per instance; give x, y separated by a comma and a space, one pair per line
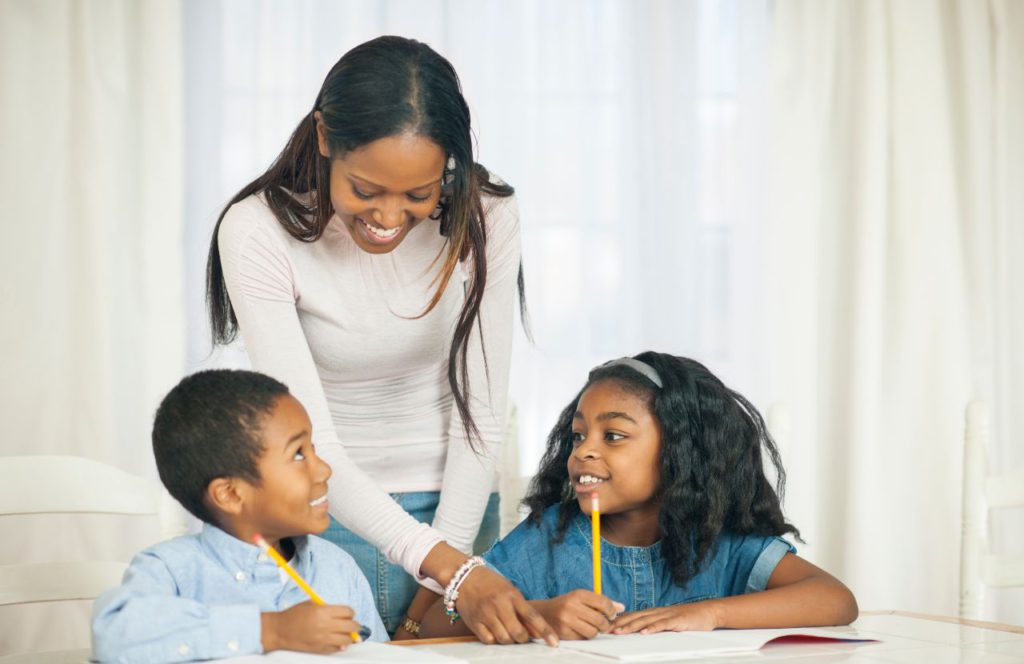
373, 269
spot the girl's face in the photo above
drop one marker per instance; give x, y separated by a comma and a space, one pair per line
384, 189
616, 451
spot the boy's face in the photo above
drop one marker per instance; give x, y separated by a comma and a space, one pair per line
291, 497
616, 451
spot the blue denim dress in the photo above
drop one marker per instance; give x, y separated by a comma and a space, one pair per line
636, 576
392, 587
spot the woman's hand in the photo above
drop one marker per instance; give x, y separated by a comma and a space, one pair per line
695, 617
579, 614
498, 613
490, 606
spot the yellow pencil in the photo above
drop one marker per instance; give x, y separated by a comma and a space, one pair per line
299, 581
595, 535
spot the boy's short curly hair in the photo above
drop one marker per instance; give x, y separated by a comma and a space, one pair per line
209, 426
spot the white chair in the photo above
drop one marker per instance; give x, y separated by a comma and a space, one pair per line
983, 492
68, 484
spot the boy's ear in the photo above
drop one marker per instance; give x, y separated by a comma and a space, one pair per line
225, 495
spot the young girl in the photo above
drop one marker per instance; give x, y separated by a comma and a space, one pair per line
690, 526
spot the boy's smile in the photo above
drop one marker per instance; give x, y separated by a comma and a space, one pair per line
291, 496
617, 454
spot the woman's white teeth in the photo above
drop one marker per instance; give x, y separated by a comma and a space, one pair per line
590, 479
318, 501
381, 232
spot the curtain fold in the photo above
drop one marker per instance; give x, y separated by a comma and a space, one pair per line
93, 328
891, 123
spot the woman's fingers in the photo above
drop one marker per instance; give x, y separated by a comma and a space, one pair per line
510, 621
488, 599
534, 622
500, 631
500, 617
484, 634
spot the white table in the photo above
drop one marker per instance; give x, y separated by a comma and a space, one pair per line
906, 638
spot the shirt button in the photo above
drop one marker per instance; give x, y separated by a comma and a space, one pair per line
183, 649
240, 576
262, 558
233, 646
643, 605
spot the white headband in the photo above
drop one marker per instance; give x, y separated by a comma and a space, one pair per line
636, 365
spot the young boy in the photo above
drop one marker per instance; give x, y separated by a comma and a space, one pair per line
234, 448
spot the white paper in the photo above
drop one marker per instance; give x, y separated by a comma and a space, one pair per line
680, 645
370, 652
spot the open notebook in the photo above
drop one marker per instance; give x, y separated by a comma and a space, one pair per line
679, 645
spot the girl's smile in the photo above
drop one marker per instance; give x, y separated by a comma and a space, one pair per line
588, 483
617, 454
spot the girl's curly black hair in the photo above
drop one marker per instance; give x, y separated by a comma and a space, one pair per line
712, 477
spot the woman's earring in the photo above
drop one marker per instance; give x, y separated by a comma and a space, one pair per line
447, 180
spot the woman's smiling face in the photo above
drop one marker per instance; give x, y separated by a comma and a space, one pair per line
382, 190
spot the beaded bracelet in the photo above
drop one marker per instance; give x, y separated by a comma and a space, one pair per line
451, 591
411, 626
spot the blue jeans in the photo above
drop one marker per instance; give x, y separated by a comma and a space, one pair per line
392, 588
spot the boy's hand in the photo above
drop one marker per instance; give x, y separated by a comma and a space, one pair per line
695, 617
579, 614
309, 627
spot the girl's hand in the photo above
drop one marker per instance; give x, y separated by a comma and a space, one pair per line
695, 617
497, 612
580, 614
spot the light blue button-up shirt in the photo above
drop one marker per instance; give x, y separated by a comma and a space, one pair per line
200, 597
638, 576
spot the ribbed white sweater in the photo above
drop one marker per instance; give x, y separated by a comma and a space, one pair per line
337, 325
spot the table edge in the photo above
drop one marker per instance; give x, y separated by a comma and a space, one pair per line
1000, 627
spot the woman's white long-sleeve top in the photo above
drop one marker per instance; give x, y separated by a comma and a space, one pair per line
342, 329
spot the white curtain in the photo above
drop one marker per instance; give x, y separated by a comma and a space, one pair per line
873, 296
92, 332
894, 245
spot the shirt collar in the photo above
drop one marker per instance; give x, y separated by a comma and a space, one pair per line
623, 555
237, 555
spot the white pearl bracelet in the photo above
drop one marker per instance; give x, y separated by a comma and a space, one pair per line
451, 591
